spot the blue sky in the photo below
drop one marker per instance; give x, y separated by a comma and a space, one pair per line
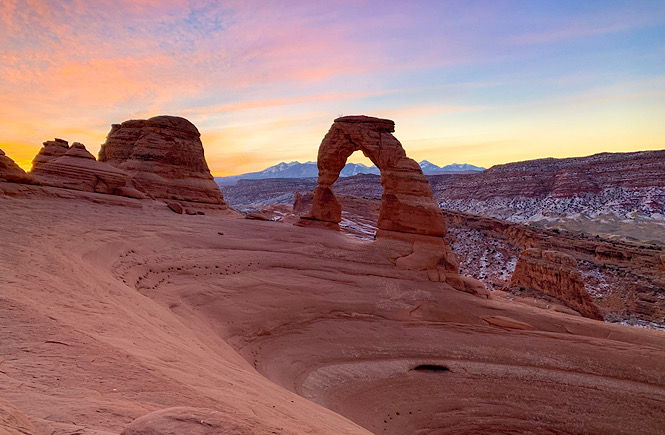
482, 82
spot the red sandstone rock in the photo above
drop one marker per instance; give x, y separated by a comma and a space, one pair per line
164, 157
507, 323
257, 217
174, 206
302, 203
52, 149
78, 150
553, 273
407, 204
408, 216
10, 171
13, 421
191, 421
557, 178
77, 169
101, 326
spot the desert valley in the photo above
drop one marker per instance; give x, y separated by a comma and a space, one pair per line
139, 298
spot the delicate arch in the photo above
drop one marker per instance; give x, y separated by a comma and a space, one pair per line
407, 204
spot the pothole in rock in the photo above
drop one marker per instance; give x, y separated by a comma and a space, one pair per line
430, 368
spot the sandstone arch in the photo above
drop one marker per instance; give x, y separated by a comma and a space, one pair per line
407, 204
409, 217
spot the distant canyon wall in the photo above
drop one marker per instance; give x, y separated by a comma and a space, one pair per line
607, 186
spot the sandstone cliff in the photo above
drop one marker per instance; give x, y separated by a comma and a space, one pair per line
606, 194
553, 274
625, 280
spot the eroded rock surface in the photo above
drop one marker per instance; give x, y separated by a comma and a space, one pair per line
164, 157
187, 420
13, 421
52, 149
77, 169
109, 313
555, 274
407, 204
610, 194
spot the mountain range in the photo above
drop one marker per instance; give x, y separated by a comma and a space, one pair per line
309, 170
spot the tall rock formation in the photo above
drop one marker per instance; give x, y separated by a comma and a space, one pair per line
409, 218
164, 157
52, 149
407, 204
555, 274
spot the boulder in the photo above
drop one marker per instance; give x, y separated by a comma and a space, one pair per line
174, 206
257, 217
11, 172
164, 157
302, 202
553, 274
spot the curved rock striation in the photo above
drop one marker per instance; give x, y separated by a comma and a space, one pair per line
164, 157
554, 274
52, 149
77, 169
193, 421
13, 421
410, 221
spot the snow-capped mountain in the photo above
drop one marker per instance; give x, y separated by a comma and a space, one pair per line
309, 170
431, 168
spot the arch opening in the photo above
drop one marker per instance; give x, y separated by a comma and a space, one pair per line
409, 217
407, 204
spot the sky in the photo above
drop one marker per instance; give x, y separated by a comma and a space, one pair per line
480, 82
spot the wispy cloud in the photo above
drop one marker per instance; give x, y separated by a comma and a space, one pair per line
630, 16
264, 79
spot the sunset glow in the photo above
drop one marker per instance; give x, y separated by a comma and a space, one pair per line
480, 82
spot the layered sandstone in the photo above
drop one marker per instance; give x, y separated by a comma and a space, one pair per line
619, 194
51, 149
555, 274
11, 172
194, 421
624, 278
77, 169
164, 157
558, 178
